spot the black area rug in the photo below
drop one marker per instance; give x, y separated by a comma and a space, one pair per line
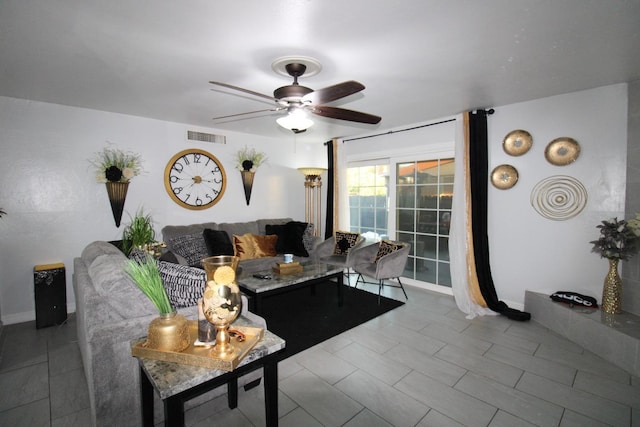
304, 319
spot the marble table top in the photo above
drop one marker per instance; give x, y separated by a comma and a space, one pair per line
169, 378
311, 270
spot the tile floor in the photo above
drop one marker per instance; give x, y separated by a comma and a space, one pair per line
422, 365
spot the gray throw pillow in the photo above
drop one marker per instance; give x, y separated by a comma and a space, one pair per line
191, 247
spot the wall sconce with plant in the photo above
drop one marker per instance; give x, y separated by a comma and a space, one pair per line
247, 162
116, 168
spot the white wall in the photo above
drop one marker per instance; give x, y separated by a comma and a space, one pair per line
529, 252
55, 207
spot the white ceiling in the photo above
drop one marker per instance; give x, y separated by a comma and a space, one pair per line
419, 60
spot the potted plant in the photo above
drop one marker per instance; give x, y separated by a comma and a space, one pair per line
116, 168
169, 332
247, 162
618, 241
139, 233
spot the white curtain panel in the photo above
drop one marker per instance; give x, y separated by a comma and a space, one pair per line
458, 247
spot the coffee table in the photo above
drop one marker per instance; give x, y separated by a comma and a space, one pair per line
176, 383
312, 273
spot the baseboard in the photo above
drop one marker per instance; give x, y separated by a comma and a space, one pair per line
28, 316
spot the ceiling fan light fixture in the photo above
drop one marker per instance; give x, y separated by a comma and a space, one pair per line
295, 121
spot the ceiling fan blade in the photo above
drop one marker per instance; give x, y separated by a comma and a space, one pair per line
331, 93
344, 114
271, 98
249, 112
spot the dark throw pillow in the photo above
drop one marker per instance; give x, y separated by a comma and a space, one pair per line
574, 298
344, 242
290, 237
217, 242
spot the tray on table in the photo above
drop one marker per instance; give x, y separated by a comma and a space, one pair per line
203, 356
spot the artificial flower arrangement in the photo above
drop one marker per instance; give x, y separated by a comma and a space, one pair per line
618, 239
115, 165
249, 159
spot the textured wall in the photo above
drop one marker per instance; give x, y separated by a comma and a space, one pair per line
631, 268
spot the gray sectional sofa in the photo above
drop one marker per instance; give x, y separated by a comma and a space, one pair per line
111, 311
297, 239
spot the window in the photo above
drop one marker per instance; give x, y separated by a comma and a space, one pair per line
424, 191
369, 200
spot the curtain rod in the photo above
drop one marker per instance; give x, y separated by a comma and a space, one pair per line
401, 130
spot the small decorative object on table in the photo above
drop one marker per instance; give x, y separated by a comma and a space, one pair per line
222, 301
618, 241
287, 267
170, 331
116, 168
247, 162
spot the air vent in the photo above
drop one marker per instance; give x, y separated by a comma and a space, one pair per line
206, 137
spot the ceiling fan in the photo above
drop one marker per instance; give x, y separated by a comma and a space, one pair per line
298, 100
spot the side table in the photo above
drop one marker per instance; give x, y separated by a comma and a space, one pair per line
176, 383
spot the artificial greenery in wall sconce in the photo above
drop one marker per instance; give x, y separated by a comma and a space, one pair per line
116, 168
247, 162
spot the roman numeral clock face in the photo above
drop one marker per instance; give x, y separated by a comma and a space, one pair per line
195, 179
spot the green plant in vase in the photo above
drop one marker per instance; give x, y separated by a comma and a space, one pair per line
147, 277
139, 233
170, 331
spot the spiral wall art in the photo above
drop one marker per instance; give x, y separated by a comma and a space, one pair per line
559, 197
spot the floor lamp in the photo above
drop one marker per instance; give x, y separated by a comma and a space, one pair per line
312, 200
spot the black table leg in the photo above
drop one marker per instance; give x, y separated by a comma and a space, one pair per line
340, 281
232, 393
257, 304
146, 395
271, 391
173, 412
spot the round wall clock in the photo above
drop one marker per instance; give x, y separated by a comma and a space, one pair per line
195, 179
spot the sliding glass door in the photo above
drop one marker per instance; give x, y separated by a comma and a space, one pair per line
424, 190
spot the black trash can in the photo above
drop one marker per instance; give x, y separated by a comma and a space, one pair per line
50, 288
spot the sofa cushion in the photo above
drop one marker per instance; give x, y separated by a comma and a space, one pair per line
239, 228
184, 284
290, 237
217, 242
95, 249
345, 240
118, 291
169, 232
191, 247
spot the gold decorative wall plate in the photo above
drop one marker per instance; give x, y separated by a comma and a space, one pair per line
559, 197
562, 151
517, 142
504, 177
